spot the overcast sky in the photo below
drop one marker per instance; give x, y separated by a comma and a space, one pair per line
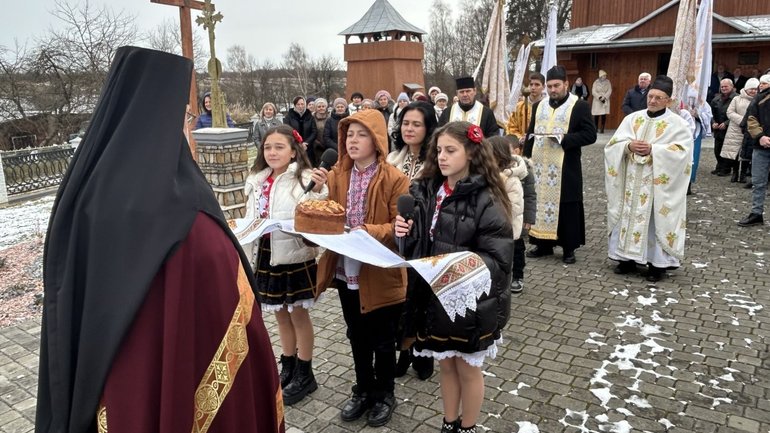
264, 27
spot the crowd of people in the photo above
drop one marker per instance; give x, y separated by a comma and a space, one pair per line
478, 184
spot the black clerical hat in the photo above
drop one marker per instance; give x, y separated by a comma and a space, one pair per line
465, 83
664, 84
556, 73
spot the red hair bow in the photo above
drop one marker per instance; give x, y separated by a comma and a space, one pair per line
475, 134
296, 135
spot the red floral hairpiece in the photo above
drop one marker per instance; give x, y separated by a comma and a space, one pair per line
296, 135
475, 134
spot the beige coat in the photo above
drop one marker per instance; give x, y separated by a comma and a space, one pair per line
734, 135
513, 177
601, 89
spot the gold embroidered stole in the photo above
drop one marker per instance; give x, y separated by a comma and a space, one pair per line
473, 115
547, 160
220, 374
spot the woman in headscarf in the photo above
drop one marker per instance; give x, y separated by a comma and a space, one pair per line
149, 319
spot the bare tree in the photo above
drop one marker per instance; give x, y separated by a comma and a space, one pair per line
60, 77
472, 25
167, 37
323, 76
240, 84
439, 45
296, 62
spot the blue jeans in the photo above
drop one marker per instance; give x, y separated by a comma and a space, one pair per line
760, 166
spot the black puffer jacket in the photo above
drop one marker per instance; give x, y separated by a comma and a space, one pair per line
330, 130
469, 220
306, 127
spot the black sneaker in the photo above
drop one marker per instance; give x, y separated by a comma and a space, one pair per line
751, 220
517, 285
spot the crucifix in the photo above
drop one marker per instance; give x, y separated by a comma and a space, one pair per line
185, 25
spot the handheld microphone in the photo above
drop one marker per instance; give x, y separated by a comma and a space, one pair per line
405, 206
328, 159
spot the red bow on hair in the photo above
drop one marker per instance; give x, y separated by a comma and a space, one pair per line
296, 135
475, 134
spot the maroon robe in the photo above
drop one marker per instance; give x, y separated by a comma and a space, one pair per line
163, 378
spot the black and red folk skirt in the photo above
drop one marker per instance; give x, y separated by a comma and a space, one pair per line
283, 286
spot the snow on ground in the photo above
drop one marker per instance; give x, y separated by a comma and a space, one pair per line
21, 221
644, 334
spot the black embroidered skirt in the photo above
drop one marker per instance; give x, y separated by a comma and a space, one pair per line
290, 285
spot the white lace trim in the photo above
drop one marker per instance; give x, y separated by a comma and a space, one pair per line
464, 295
475, 359
305, 303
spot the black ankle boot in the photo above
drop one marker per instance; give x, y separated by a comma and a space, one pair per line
288, 364
471, 429
302, 384
423, 366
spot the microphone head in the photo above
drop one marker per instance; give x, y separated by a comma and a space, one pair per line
329, 158
405, 205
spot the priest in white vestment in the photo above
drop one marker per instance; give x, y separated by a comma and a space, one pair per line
647, 170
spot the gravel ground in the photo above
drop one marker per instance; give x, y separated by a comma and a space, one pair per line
21, 281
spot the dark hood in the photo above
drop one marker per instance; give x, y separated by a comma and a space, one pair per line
127, 201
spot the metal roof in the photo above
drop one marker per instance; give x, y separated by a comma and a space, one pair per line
752, 29
381, 17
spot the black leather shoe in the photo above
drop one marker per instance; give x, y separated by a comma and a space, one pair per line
569, 257
382, 411
751, 220
749, 185
625, 267
723, 173
354, 408
540, 252
654, 274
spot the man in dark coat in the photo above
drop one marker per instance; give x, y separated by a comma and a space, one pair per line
561, 125
149, 319
719, 124
468, 109
636, 97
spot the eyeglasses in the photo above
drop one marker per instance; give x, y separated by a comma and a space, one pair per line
656, 97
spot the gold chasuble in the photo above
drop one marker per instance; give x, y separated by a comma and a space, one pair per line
547, 157
646, 195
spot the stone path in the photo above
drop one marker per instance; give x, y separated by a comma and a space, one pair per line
585, 351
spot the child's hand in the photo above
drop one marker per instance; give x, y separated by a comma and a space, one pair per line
319, 176
402, 227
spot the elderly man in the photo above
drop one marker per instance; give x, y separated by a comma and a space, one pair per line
468, 109
560, 126
758, 125
719, 124
636, 97
647, 170
519, 120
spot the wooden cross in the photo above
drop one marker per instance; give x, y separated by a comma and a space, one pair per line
185, 25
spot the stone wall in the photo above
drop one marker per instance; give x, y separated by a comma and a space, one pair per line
224, 160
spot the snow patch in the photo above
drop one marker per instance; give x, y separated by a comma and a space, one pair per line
527, 427
699, 265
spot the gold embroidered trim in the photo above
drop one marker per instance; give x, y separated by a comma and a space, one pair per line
279, 409
101, 419
220, 375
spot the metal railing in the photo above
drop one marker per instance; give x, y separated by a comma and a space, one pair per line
34, 169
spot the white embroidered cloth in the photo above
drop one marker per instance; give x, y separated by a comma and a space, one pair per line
458, 279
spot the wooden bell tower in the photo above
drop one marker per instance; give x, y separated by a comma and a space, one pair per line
388, 54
